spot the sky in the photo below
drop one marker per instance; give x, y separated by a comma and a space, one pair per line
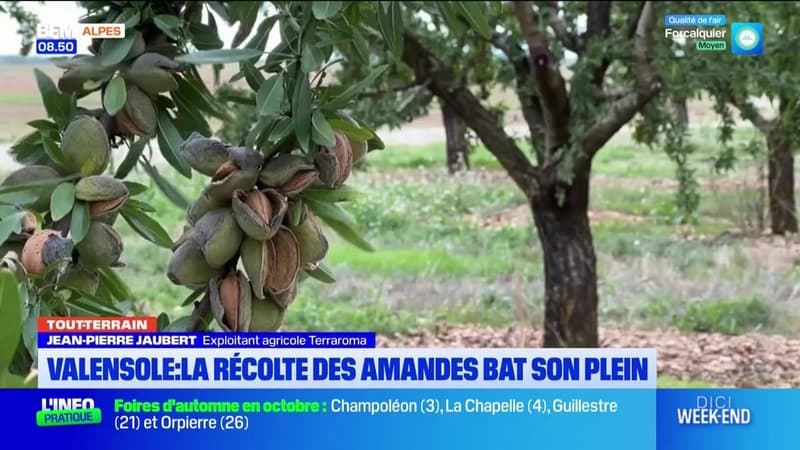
66, 13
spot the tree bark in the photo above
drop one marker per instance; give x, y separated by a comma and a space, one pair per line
681, 111
782, 208
456, 140
570, 266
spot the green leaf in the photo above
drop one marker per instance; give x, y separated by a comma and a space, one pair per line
301, 112
361, 45
180, 324
451, 17
283, 127
169, 142
115, 96
474, 14
221, 9
134, 153
390, 22
192, 297
130, 17
269, 97
376, 143
114, 51
134, 188
53, 150
339, 221
169, 24
204, 37
342, 194
146, 227
115, 285
325, 10
11, 224
36, 185
342, 99
196, 94
352, 131
322, 273
79, 226
245, 13
141, 206
168, 189
162, 321
312, 58
54, 102
253, 137
62, 200
259, 39
322, 133
90, 305
29, 325
10, 318
219, 56
252, 75
43, 125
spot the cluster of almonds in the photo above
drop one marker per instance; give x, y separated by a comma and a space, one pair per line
86, 151
251, 211
147, 74
86, 147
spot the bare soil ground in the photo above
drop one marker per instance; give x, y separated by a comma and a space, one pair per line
743, 361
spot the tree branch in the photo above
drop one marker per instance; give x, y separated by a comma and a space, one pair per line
598, 18
598, 27
635, 21
647, 85
749, 111
567, 39
551, 86
442, 82
390, 90
526, 91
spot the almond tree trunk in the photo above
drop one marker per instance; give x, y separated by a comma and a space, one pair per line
570, 267
782, 208
456, 136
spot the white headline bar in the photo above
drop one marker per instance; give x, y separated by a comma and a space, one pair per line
413, 368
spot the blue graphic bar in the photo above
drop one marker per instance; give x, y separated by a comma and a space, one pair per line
56, 46
321, 339
694, 20
368, 419
422, 419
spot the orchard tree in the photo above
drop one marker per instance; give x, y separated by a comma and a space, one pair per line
737, 79
254, 233
733, 81
399, 97
569, 120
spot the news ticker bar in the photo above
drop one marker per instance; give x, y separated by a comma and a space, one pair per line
422, 419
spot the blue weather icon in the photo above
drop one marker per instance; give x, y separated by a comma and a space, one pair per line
747, 38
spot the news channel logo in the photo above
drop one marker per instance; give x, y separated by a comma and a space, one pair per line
62, 39
747, 38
